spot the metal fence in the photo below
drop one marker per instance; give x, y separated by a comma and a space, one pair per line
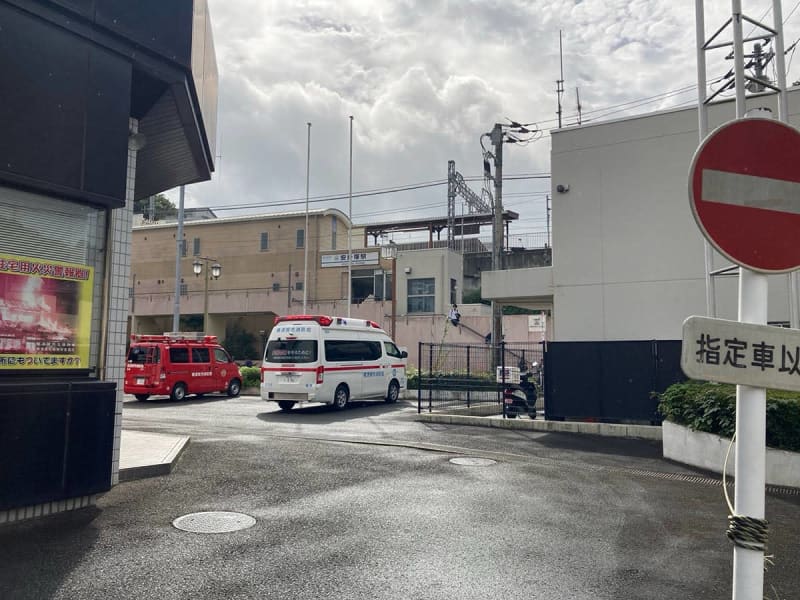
470, 378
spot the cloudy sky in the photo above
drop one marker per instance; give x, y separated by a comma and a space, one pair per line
423, 80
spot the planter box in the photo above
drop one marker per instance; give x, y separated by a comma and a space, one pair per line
707, 451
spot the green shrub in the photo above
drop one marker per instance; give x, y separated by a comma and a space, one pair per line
412, 378
711, 407
251, 376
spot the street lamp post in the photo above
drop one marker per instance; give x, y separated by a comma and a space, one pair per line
215, 272
390, 251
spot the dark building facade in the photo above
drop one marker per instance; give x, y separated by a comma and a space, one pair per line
103, 102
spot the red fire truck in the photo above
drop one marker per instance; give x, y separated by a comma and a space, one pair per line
177, 364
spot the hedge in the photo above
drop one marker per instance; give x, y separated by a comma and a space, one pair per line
711, 407
251, 376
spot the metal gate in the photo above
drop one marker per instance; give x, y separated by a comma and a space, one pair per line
470, 378
610, 381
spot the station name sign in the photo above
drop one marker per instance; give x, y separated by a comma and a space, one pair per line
741, 353
359, 259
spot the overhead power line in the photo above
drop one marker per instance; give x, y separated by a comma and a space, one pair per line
363, 194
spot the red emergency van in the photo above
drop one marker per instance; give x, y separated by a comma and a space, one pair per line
177, 364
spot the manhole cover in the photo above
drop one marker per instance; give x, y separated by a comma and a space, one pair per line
469, 461
214, 522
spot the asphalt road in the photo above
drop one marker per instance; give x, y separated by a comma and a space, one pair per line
366, 504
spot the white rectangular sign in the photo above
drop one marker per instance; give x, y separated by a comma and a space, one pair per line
741, 353
359, 259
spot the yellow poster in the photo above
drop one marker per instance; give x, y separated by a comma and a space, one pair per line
45, 314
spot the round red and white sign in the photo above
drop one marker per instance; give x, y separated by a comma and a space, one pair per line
744, 190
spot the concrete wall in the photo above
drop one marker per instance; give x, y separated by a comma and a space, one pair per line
628, 258
440, 263
475, 318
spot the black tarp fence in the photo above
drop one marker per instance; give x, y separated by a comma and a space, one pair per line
609, 381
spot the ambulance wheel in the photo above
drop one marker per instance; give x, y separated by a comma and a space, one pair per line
178, 392
394, 392
286, 405
142, 397
341, 397
234, 387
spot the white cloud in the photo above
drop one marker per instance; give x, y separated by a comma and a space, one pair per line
424, 79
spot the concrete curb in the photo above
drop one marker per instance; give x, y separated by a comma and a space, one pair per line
707, 451
145, 454
647, 432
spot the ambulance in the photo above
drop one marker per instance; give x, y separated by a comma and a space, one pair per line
177, 364
317, 358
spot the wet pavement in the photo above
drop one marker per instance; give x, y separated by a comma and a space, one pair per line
366, 503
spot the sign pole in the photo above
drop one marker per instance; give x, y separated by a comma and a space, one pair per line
748, 564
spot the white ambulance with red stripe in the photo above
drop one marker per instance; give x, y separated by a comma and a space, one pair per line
316, 358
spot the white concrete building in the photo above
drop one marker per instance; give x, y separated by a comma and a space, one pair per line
628, 258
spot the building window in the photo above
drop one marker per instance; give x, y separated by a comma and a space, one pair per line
421, 295
382, 285
184, 247
301, 238
264, 241
276, 287
184, 289
298, 285
333, 232
196, 246
453, 290
363, 284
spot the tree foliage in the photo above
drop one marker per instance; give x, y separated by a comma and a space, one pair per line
240, 343
163, 207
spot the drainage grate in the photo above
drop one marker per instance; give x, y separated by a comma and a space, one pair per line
770, 489
213, 522
471, 461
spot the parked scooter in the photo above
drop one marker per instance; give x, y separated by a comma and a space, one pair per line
520, 399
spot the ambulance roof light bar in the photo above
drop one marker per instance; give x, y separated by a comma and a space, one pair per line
321, 319
326, 321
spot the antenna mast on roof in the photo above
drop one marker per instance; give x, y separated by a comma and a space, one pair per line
560, 82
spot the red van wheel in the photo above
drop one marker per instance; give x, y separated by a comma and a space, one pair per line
234, 387
178, 392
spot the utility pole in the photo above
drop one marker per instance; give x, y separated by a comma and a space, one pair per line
560, 82
510, 133
547, 211
305, 231
578, 98
496, 137
176, 306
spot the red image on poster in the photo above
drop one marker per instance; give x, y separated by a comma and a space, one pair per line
44, 315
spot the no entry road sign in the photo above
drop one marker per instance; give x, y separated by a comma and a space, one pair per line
744, 190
